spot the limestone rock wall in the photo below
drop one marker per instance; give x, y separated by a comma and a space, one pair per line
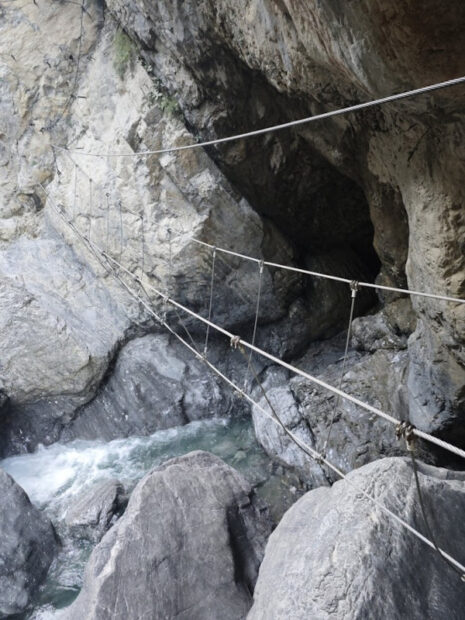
64, 317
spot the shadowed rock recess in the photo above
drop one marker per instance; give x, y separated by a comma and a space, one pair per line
373, 196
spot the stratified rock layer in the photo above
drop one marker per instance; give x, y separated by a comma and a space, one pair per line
188, 546
336, 555
27, 547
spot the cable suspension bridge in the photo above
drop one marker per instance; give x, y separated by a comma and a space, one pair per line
141, 284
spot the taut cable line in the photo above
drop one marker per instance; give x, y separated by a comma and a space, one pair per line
272, 128
382, 414
239, 341
327, 276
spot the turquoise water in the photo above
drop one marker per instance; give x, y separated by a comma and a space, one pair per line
55, 475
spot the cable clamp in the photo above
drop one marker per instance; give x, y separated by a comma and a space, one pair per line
354, 287
261, 266
406, 430
319, 459
235, 342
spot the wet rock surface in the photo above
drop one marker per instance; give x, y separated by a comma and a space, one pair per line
27, 547
336, 555
96, 510
189, 545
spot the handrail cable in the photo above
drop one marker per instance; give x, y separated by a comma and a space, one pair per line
330, 277
421, 434
272, 128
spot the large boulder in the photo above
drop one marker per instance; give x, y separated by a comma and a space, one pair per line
95, 511
337, 555
27, 547
188, 547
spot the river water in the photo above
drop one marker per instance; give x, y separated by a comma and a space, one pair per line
55, 475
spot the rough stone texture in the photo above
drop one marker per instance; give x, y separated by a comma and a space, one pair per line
58, 323
336, 555
188, 546
95, 511
27, 547
357, 437
387, 329
156, 384
64, 318
328, 194
59, 330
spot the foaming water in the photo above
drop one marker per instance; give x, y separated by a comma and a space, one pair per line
52, 476
55, 475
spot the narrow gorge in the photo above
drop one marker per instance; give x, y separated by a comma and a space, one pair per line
136, 481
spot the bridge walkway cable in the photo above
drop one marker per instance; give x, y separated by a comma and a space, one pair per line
251, 347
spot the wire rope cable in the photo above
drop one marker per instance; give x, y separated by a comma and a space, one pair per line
327, 276
279, 127
210, 303
257, 311
354, 290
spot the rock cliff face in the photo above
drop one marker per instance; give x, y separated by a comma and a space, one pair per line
374, 194
295, 58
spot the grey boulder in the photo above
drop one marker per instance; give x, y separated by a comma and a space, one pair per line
337, 555
96, 510
27, 547
188, 547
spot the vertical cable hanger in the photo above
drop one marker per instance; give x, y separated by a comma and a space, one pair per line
354, 288
107, 195
257, 309
90, 208
210, 305
142, 240
121, 229
75, 193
